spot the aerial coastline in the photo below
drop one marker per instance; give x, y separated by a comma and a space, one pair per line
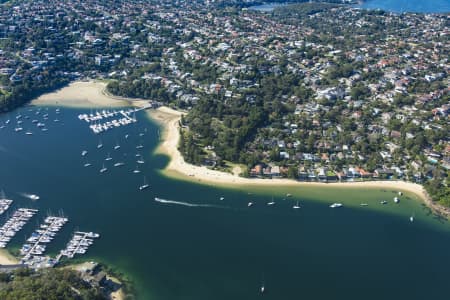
91, 94
224, 149
177, 167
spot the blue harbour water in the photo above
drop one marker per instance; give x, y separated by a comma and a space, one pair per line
200, 247
397, 6
400, 6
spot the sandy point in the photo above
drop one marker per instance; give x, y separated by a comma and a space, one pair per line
177, 167
82, 94
92, 94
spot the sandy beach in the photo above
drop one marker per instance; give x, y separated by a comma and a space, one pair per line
6, 258
88, 94
177, 167
91, 94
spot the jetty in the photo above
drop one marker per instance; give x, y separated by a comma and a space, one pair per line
4, 205
105, 120
35, 247
19, 218
79, 244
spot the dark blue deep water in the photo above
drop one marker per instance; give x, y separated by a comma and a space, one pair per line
220, 250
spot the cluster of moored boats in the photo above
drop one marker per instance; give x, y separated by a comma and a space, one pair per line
33, 250
116, 164
97, 127
333, 205
19, 218
4, 204
79, 243
38, 120
36, 243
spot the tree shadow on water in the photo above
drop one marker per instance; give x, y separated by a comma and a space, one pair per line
160, 161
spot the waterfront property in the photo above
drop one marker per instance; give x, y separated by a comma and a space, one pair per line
167, 244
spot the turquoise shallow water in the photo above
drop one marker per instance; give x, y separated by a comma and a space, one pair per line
220, 249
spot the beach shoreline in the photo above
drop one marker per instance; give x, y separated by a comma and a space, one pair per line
169, 118
93, 94
7, 258
80, 94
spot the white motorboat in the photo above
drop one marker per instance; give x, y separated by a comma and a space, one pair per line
34, 197
144, 186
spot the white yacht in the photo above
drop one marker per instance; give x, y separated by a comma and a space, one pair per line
84, 152
296, 206
108, 157
140, 161
250, 204
118, 164
34, 197
396, 200
99, 144
28, 133
222, 198
271, 203
144, 186
336, 205
103, 169
135, 171
87, 164
117, 146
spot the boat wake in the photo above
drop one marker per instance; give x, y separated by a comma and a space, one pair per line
30, 196
187, 204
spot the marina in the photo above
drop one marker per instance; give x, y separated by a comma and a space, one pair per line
19, 218
156, 234
4, 203
36, 242
79, 244
122, 118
